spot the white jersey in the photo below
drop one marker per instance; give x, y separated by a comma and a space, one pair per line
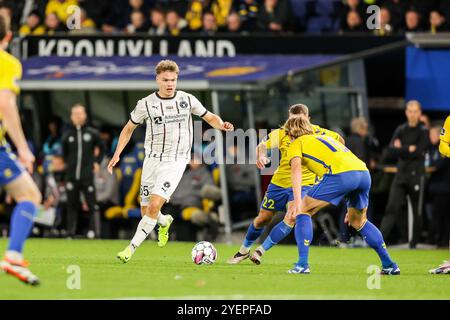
169, 133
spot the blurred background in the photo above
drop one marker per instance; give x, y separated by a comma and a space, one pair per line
354, 63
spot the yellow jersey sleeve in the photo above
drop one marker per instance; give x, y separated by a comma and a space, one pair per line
272, 140
444, 145
322, 131
11, 72
294, 150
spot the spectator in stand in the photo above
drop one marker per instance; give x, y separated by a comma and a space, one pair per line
157, 22
234, 24
274, 16
386, 27
175, 25
221, 10
180, 6
444, 8
60, 8
397, 10
352, 6
209, 24
412, 21
194, 15
137, 23
353, 23
33, 25
87, 25
97, 10
53, 25
424, 7
248, 11
437, 22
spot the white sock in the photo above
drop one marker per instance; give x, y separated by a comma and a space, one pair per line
145, 226
261, 249
14, 255
162, 219
244, 250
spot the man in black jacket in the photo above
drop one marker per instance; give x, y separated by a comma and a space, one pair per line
83, 151
409, 144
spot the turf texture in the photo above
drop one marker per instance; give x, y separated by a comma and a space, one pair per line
88, 269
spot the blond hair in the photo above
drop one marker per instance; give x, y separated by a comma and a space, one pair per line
358, 123
298, 109
298, 126
167, 65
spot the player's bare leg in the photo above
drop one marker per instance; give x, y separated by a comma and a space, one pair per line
145, 227
264, 218
26, 194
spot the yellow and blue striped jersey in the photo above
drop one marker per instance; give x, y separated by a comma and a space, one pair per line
322, 155
279, 139
444, 145
10, 73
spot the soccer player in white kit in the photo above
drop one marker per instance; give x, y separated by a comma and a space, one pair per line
168, 141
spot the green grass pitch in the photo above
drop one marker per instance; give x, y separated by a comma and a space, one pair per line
169, 273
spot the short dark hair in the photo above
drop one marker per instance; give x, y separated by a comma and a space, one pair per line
299, 108
4, 27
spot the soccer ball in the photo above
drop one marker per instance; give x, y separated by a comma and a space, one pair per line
204, 253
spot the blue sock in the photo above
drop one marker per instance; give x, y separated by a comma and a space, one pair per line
374, 239
278, 233
303, 235
21, 224
251, 236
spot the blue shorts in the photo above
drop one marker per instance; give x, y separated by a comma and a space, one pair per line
277, 198
10, 168
352, 185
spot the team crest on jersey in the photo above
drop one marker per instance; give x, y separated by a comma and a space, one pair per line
71, 139
167, 184
183, 104
442, 131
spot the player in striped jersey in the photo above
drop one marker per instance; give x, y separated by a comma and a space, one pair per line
168, 141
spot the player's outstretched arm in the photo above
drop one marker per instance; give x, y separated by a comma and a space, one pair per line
217, 123
124, 138
11, 121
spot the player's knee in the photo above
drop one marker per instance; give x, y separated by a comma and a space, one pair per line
153, 209
289, 220
357, 221
262, 220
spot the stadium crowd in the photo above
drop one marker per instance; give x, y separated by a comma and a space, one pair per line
208, 17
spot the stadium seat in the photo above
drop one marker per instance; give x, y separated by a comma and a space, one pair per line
299, 8
318, 24
324, 7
